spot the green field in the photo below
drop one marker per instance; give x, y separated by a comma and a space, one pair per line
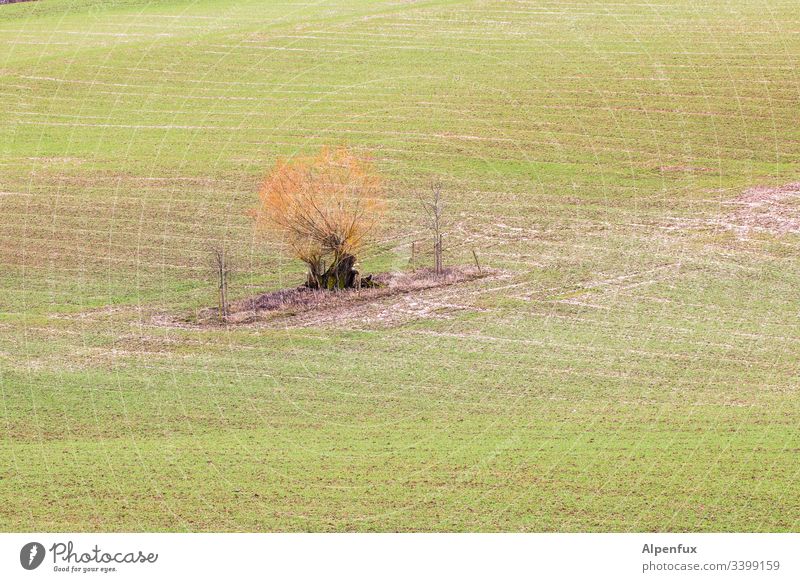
635, 366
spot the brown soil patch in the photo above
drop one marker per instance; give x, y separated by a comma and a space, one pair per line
763, 209
401, 297
684, 169
758, 210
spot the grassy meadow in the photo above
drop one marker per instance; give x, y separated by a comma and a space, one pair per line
634, 366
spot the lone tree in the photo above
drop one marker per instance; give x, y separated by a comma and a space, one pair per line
434, 210
324, 207
222, 271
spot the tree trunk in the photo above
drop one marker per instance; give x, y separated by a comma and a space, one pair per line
437, 254
340, 275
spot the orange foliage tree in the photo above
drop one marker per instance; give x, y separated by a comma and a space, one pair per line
324, 207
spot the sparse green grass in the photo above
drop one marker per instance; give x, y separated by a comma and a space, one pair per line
625, 376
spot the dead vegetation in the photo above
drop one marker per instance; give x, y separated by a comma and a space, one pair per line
302, 306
